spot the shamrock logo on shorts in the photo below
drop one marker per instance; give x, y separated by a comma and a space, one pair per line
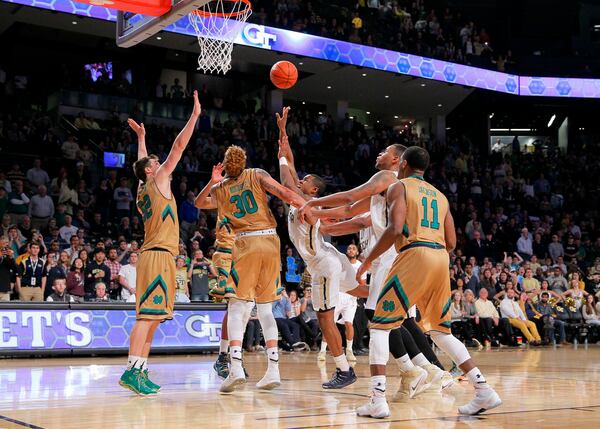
157, 299
389, 306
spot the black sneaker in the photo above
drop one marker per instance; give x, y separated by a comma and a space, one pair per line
221, 366
340, 379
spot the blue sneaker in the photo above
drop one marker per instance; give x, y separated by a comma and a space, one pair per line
340, 379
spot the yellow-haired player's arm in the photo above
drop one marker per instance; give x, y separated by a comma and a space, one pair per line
273, 187
203, 199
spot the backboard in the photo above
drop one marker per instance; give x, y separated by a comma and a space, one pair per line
133, 28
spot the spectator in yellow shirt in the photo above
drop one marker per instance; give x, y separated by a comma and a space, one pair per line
357, 21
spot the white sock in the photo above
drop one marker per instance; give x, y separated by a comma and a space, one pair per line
477, 379
341, 362
323, 346
236, 357
224, 346
273, 357
378, 386
420, 360
405, 363
137, 362
349, 344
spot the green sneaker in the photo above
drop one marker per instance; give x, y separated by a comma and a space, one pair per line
221, 366
134, 380
149, 382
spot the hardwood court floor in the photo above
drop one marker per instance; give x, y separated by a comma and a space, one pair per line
541, 388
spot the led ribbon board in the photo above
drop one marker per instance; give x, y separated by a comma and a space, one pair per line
90, 329
307, 45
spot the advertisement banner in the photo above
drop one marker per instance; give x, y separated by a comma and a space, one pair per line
88, 329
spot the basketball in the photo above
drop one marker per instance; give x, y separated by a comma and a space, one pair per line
284, 74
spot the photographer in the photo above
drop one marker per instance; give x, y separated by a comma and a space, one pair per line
199, 270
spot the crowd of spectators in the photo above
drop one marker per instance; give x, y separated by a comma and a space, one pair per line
412, 26
520, 216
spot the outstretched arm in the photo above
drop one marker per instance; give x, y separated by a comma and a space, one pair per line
287, 172
140, 131
397, 217
203, 199
273, 187
376, 185
180, 143
347, 211
347, 227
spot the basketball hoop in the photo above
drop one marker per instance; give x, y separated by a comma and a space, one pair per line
217, 24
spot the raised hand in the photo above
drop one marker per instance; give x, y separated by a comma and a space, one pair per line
282, 119
137, 128
217, 173
284, 148
197, 107
362, 270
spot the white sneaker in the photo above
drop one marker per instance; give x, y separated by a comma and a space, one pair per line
434, 377
447, 380
271, 380
377, 408
485, 400
322, 356
413, 382
235, 378
350, 355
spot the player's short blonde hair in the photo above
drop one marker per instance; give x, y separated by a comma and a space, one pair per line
234, 161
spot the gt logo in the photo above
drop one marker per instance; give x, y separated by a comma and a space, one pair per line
256, 35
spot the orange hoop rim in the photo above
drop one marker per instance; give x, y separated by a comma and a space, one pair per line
204, 14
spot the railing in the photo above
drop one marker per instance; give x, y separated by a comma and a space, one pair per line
112, 103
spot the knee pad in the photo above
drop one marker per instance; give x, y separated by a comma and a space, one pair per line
379, 348
451, 346
267, 321
237, 317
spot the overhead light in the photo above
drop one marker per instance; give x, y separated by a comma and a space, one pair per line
158, 38
500, 129
386, 96
328, 86
304, 102
368, 113
521, 129
511, 129
491, 115
300, 63
351, 117
320, 113
581, 129
448, 128
439, 105
176, 54
395, 116
551, 121
364, 75
74, 22
377, 120
423, 84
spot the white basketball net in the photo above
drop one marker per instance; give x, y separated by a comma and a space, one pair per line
217, 24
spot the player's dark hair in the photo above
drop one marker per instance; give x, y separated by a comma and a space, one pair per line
319, 183
139, 167
398, 148
417, 158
